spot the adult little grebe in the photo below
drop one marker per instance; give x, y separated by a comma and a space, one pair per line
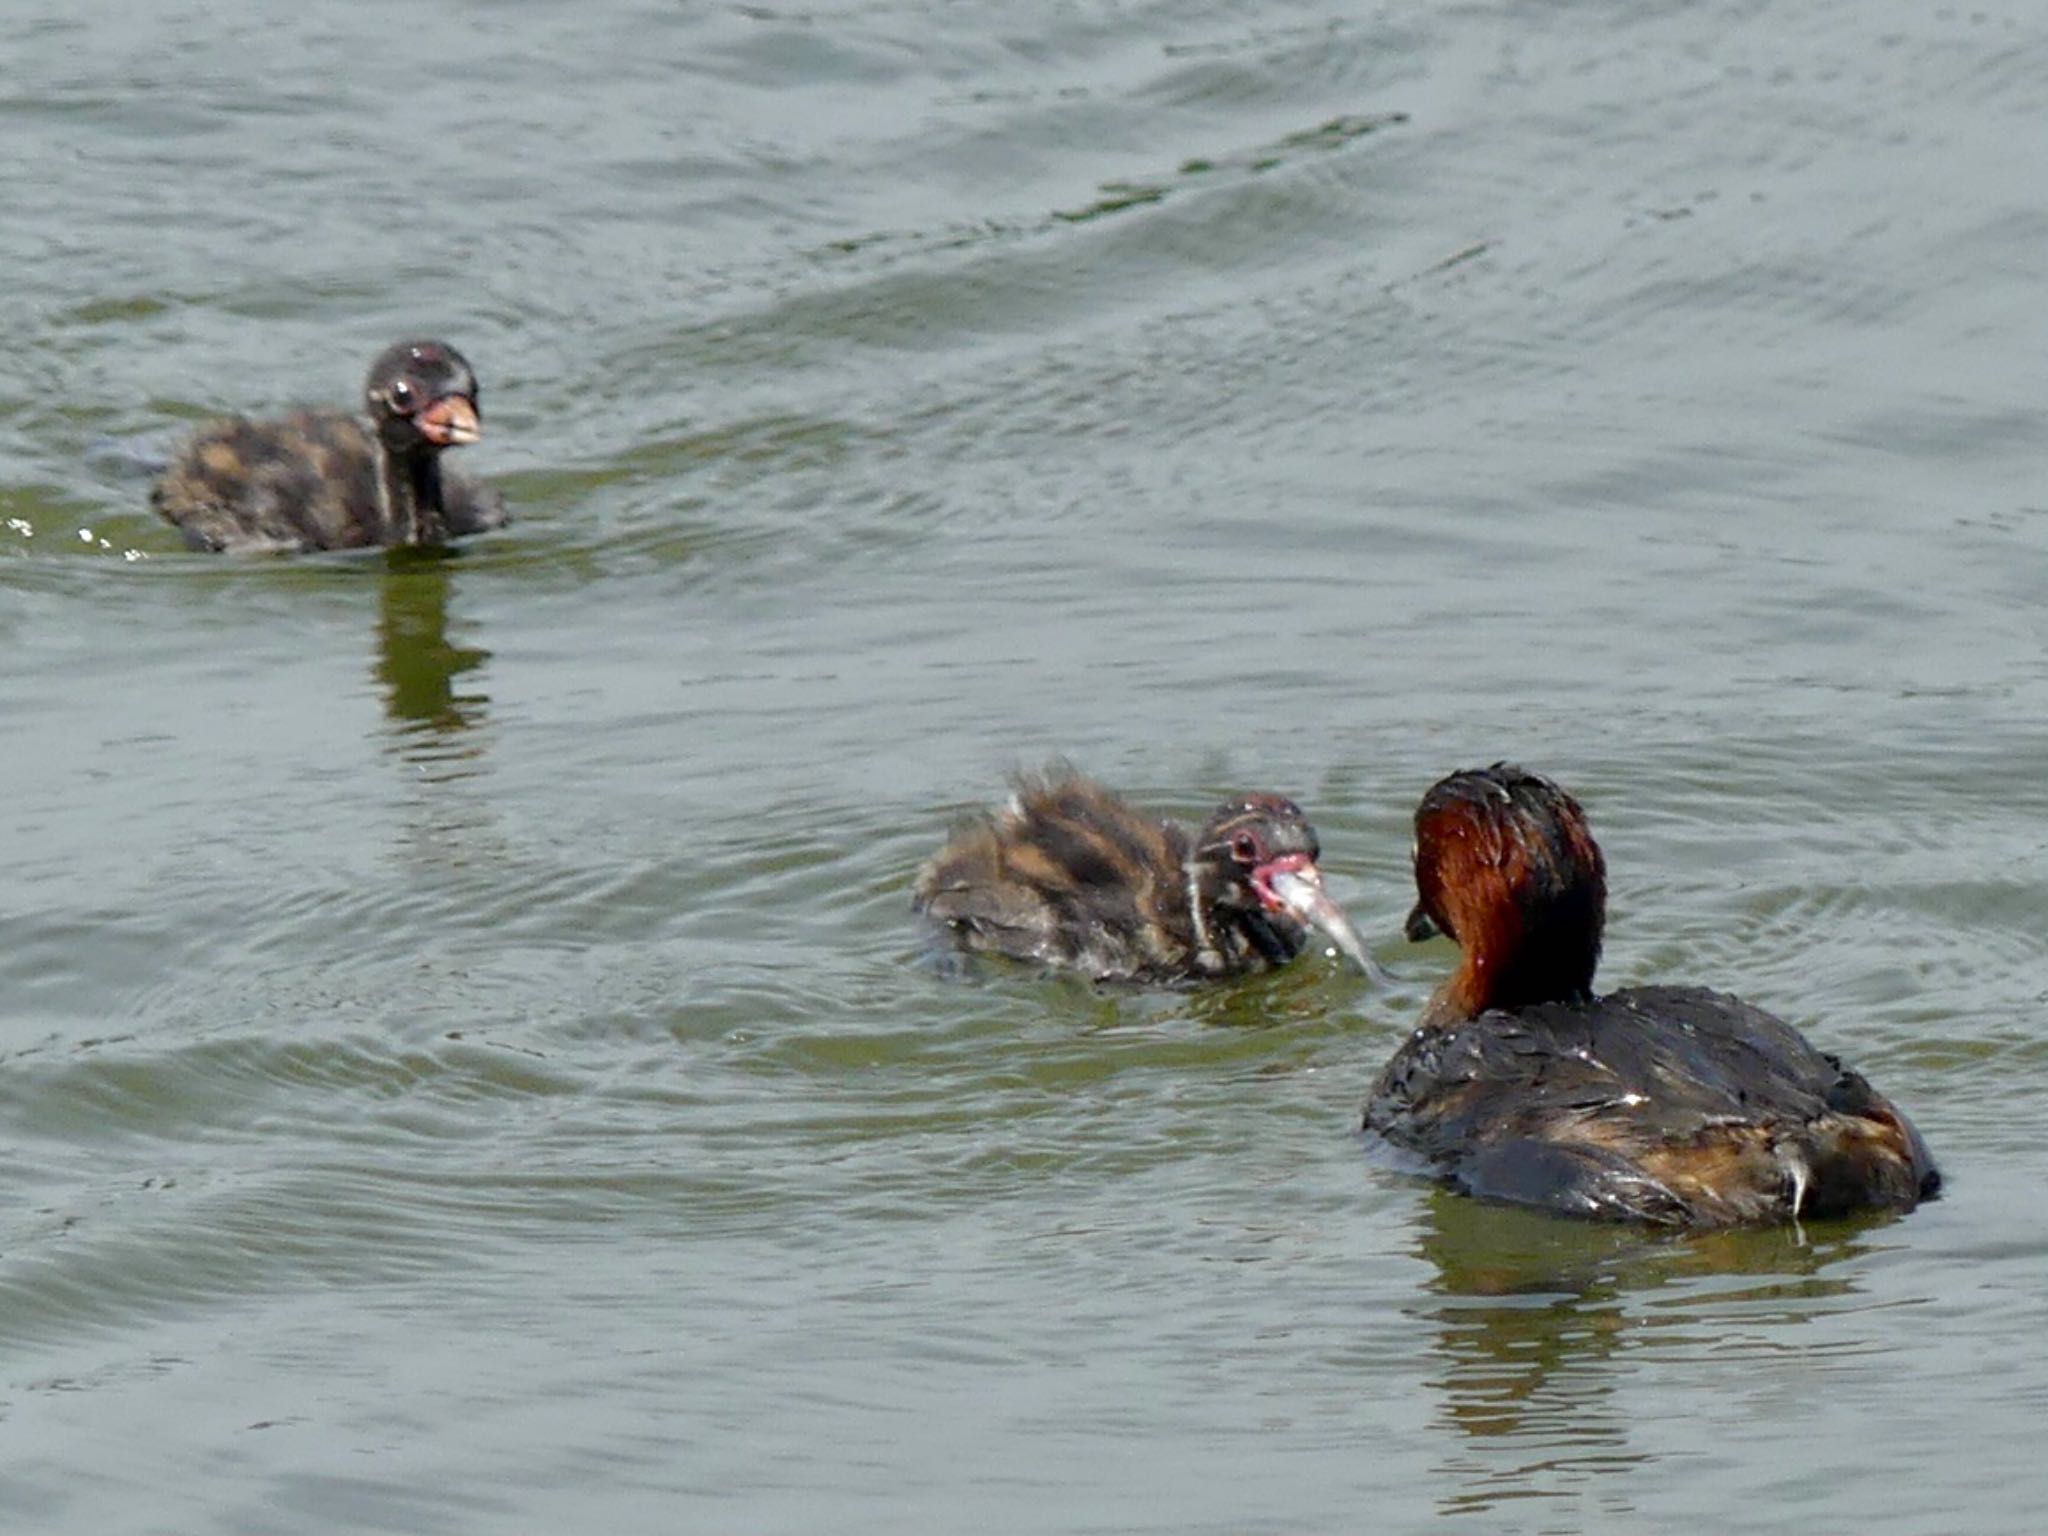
1071, 875
328, 480
1672, 1105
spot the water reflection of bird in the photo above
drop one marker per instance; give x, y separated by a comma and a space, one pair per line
1533, 1320
329, 480
1672, 1105
1070, 875
417, 664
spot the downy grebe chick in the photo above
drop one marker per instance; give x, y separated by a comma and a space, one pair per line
1070, 875
1672, 1105
328, 480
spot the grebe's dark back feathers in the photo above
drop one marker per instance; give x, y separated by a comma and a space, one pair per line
1673, 1105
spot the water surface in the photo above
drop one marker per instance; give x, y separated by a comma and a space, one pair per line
466, 1065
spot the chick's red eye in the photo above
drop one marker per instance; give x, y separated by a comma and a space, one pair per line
1245, 848
401, 392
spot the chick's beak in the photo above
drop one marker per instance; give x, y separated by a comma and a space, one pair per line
1292, 884
450, 421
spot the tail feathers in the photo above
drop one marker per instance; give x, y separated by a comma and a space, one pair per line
1859, 1161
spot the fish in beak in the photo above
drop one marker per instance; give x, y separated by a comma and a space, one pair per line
1292, 884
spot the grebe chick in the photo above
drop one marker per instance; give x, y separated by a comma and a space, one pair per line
329, 480
1671, 1105
1070, 875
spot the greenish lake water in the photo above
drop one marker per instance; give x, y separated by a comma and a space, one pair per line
465, 1064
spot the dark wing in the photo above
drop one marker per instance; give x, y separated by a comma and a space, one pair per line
307, 482
1068, 874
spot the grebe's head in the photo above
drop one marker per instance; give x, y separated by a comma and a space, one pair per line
422, 395
1254, 862
1506, 866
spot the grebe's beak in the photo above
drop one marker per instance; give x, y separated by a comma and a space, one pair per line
1292, 884
449, 422
1420, 926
